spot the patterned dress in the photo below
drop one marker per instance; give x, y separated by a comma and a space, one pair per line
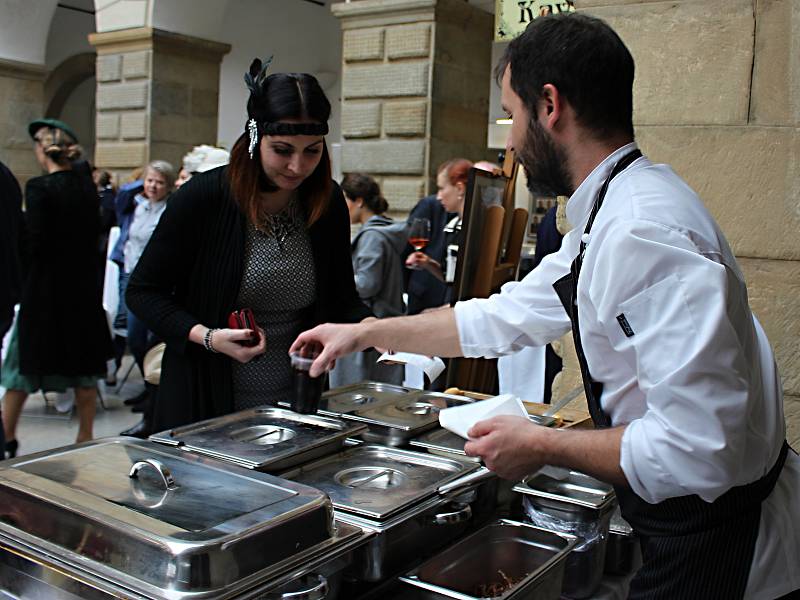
279, 285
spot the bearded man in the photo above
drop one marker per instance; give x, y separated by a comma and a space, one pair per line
680, 379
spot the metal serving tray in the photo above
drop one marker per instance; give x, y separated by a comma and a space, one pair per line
351, 398
568, 492
376, 481
525, 560
159, 521
264, 438
443, 443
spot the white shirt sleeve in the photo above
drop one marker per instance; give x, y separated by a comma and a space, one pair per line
693, 350
525, 313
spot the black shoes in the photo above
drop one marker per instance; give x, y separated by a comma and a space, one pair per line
140, 430
11, 448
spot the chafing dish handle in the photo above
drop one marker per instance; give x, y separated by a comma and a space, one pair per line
166, 476
317, 591
461, 514
455, 487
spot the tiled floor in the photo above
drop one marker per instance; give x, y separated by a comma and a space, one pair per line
42, 426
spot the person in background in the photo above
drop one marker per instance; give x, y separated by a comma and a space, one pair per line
10, 276
376, 250
61, 338
451, 181
108, 216
268, 232
201, 159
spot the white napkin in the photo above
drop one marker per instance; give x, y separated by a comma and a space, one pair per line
460, 419
432, 367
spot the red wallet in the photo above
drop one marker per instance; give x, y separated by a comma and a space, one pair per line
245, 319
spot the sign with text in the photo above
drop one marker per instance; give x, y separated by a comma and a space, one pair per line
511, 17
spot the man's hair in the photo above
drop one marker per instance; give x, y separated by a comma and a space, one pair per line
584, 59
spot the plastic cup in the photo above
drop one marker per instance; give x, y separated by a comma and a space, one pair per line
306, 390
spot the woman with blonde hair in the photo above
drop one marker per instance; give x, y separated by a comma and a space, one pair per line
61, 339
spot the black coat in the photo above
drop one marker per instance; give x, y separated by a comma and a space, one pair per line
190, 273
62, 325
10, 224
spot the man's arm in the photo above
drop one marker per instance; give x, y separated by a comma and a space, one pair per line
434, 334
514, 447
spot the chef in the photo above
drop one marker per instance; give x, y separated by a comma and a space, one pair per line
680, 378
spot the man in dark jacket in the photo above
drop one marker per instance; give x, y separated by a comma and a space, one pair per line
10, 223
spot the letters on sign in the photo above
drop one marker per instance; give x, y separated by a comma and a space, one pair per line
511, 17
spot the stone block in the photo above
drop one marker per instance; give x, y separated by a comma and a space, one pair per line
107, 127
109, 67
122, 95
405, 118
136, 64
170, 98
408, 41
791, 411
458, 124
361, 119
134, 125
693, 59
402, 194
168, 128
749, 177
776, 70
773, 288
385, 80
120, 155
204, 102
389, 157
362, 44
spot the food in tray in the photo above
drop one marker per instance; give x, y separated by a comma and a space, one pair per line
499, 587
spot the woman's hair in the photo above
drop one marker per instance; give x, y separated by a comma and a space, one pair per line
456, 170
285, 96
359, 185
165, 169
58, 145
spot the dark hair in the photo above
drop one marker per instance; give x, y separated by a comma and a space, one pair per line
58, 145
358, 185
103, 177
285, 96
584, 59
456, 170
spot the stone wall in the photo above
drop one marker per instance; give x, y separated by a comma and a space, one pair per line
22, 101
157, 96
717, 96
415, 90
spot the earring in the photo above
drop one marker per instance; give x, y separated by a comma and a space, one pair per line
252, 130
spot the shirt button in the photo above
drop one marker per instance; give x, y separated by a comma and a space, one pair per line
585, 238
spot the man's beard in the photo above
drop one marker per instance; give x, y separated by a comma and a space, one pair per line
545, 163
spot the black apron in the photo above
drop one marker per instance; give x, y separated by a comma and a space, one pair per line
690, 548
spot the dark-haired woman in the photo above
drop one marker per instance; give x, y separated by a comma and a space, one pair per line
61, 339
377, 265
268, 232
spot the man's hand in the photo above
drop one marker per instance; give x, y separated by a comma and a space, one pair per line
336, 340
508, 445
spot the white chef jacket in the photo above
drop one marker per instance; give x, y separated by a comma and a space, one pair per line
696, 382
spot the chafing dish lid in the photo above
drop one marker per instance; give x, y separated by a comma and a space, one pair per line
367, 394
259, 437
177, 507
410, 413
378, 482
566, 486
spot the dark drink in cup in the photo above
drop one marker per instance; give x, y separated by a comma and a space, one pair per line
306, 390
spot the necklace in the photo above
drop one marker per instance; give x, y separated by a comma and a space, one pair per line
283, 223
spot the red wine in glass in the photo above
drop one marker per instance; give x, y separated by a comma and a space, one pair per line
419, 233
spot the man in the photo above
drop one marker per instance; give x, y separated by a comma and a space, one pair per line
680, 378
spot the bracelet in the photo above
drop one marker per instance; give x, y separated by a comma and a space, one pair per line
207, 341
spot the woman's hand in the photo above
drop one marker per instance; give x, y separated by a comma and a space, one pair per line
228, 342
421, 261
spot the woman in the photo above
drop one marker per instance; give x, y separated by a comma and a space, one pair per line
377, 266
451, 181
61, 339
268, 232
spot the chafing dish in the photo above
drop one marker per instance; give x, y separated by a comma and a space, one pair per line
506, 559
133, 519
348, 399
575, 503
415, 502
264, 438
395, 423
623, 553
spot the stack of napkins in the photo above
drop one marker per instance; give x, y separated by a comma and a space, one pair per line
460, 419
432, 366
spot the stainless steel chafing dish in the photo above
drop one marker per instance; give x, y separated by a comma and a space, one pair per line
127, 518
264, 438
575, 503
347, 399
506, 559
415, 502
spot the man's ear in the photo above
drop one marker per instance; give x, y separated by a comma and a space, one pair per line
551, 105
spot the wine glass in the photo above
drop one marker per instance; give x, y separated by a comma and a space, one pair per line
419, 233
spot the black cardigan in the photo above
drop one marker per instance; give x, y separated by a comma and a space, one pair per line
190, 273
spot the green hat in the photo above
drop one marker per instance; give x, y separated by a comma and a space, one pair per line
36, 125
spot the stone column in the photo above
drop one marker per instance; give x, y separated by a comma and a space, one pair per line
22, 99
415, 90
157, 96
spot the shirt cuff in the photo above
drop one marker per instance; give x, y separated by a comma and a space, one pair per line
468, 315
